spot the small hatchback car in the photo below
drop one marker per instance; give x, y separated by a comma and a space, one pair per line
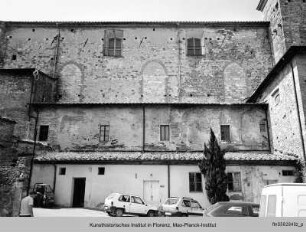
232, 209
117, 204
181, 207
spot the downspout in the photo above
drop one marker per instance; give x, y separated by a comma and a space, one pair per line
33, 152
179, 62
143, 128
268, 129
54, 177
298, 111
168, 169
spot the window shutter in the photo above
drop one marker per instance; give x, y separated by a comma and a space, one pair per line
106, 42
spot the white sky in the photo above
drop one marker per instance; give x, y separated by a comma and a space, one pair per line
129, 10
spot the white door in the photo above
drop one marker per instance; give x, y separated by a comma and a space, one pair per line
151, 191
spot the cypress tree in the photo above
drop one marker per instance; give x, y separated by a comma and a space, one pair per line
213, 166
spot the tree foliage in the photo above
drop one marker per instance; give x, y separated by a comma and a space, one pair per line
213, 168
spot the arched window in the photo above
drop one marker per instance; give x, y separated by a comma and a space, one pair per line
194, 47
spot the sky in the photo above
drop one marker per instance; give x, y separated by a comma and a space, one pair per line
129, 10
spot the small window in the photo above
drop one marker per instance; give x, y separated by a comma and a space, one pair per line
195, 182
113, 42
43, 133
194, 47
234, 181
101, 170
104, 133
62, 171
164, 133
276, 97
225, 133
263, 126
14, 57
288, 173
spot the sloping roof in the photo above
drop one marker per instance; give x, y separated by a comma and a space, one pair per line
287, 57
128, 157
138, 23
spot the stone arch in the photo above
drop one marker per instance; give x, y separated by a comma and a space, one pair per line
71, 82
235, 83
154, 81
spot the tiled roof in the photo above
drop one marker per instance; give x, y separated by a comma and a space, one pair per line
139, 23
80, 157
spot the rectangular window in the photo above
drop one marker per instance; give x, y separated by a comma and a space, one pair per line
288, 172
101, 170
194, 47
234, 181
113, 42
195, 182
262, 126
104, 133
164, 133
225, 133
43, 133
62, 171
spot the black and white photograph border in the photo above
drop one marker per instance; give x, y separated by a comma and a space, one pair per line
153, 115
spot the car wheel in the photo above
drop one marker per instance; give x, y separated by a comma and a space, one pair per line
119, 212
151, 213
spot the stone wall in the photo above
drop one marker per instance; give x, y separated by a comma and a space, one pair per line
153, 67
287, 24
78, 127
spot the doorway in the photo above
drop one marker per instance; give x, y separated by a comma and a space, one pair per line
78, 192
151, 191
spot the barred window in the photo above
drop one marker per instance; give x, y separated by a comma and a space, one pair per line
195, 182
164, 133
234, 181
194, 47
114, 47
104, 133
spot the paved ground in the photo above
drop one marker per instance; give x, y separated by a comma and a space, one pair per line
68, 212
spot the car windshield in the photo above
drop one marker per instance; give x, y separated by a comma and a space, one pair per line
171, 201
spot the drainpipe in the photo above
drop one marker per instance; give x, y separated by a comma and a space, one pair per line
54, 177
143, 128
298, 111
33, 152
268, 129
168, 169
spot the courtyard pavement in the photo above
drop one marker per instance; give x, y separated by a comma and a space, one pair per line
67, 212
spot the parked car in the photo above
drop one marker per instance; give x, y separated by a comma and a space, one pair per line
181, 207
283, 200
232, 209
44, 196
117, 204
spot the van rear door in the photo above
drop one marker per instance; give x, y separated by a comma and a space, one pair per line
270, 202
294, 201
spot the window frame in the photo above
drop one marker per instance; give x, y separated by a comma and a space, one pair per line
43, 135
105, 132
225, 138
194, 184
235, 182
114, 50
164, 133
194, 47
101, 171
62, 171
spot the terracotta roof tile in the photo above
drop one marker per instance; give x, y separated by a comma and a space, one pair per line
153, 156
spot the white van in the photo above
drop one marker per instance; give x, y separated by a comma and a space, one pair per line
283, 200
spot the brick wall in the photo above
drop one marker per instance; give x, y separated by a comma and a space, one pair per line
153, 67
287, 24
283, 113
77, 128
